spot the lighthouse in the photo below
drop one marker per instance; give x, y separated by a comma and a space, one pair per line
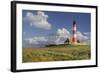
74, 33
73, 39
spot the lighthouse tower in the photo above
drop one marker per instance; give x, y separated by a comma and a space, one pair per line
74, 33
73, 39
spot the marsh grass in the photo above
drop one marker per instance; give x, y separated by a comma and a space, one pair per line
56, 53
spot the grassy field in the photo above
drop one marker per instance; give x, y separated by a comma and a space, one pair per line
56, 53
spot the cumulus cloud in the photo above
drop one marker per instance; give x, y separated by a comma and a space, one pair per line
79, 33
62, 32
87, 33
84, 37
36, 40
39, 20
39, 41
44, 40
62, 35
60, 40
81, 36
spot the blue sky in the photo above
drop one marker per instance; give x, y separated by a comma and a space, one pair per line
48, 23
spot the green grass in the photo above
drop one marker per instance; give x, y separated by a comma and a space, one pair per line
56, 53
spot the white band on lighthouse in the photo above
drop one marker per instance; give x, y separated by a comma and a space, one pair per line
75, 35
74, 28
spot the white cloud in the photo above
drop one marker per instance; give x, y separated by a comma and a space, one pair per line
36, 40
87, 33
62, 35
42, 41
31, 41
60, 40
62, 32
38, 20
81, 36
45, 40
84, 37
79, 33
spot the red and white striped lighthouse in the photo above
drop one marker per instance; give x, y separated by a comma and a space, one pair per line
74, 33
